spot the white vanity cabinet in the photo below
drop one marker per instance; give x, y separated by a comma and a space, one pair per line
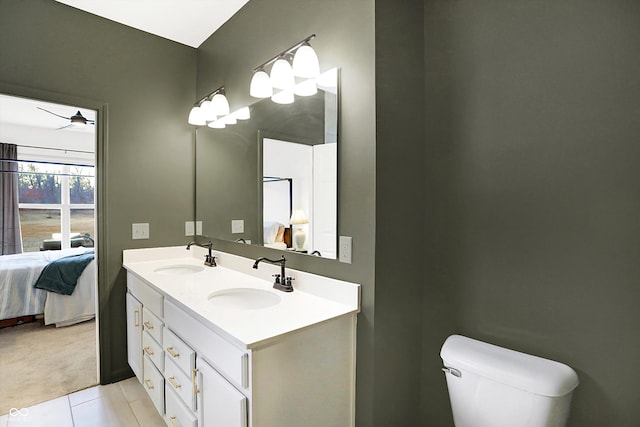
209, 365
219, 403
134, 335
144, 338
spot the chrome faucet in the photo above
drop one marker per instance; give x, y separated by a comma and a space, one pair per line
209, 259
281, 282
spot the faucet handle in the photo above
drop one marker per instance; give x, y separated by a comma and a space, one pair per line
277, 279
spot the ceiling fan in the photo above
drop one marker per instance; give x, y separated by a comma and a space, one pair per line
77, 120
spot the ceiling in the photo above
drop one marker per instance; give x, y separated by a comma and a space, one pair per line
189, 22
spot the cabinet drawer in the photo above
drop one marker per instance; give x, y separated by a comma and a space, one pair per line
225, 357
177, 414
180, 382
152, 350
178, 351
154, 384
149, 298
152, 324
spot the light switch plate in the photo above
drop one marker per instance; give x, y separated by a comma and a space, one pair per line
140, 231
237, 226
344, 249
189, 228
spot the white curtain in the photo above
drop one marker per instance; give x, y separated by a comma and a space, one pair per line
9, 212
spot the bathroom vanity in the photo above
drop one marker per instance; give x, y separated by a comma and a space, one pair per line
218, 346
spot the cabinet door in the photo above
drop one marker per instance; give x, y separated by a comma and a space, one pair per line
134, 335
219, 403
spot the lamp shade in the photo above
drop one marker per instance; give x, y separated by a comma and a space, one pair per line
283, 97
260, 85
298, 217
306, 88
217, 124
196, 117
208, 112
305, 62
242, 113
282, 75
220, 104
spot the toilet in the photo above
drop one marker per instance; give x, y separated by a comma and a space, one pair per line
491, 386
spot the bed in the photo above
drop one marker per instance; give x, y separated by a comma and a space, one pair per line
19, 297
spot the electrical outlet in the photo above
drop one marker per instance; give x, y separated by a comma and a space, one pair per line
237, 226
344, 250
198, 228
189, 228
140, 231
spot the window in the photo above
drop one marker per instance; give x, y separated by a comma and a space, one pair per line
56, 205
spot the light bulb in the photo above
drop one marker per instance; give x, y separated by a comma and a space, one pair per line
260, 85
208, 112
220, 104
196, 117
243, 113
305, 62
282, 75
306, 88
217, 124
229, 120
283, 97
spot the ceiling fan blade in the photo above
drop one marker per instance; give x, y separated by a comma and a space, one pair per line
51, 112
64, 127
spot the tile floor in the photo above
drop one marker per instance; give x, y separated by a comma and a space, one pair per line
122, 404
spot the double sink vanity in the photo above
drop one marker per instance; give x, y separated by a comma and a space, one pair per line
219, 346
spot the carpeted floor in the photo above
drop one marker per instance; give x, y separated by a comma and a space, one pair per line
39, 363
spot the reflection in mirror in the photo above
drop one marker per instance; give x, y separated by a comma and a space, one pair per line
299, 193
230, 189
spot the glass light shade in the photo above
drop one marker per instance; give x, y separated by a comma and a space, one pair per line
208, 112
305, 62
218, 124
260, 85
298, 217
196, 117
283, 97
282, 75
243, 113
306, 88
229, 120
220, 104
328, 80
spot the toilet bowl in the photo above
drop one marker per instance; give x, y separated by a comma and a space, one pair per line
491, 386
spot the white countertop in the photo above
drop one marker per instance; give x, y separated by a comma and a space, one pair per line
315, 298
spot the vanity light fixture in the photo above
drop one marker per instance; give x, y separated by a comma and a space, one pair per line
213, 111
283, 74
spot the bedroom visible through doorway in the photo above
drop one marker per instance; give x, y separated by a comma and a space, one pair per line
48, 219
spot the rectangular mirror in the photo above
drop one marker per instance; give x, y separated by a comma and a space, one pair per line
295, 149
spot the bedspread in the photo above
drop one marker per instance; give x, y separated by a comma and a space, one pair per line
18, 273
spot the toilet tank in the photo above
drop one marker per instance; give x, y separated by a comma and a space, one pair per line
491, 386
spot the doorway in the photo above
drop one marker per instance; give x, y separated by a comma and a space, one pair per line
56, 169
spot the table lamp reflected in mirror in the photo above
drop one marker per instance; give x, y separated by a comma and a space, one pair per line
299, 218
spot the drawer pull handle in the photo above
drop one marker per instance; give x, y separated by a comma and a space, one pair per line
148, 325
149, 351
173, 422
149, 384
172, 352
173, 382
194, 388
136, 317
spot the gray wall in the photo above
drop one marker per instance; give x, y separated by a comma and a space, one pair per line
144, 87
533, 124
345, 38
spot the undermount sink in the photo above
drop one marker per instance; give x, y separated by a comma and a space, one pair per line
244, 298
179, 270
